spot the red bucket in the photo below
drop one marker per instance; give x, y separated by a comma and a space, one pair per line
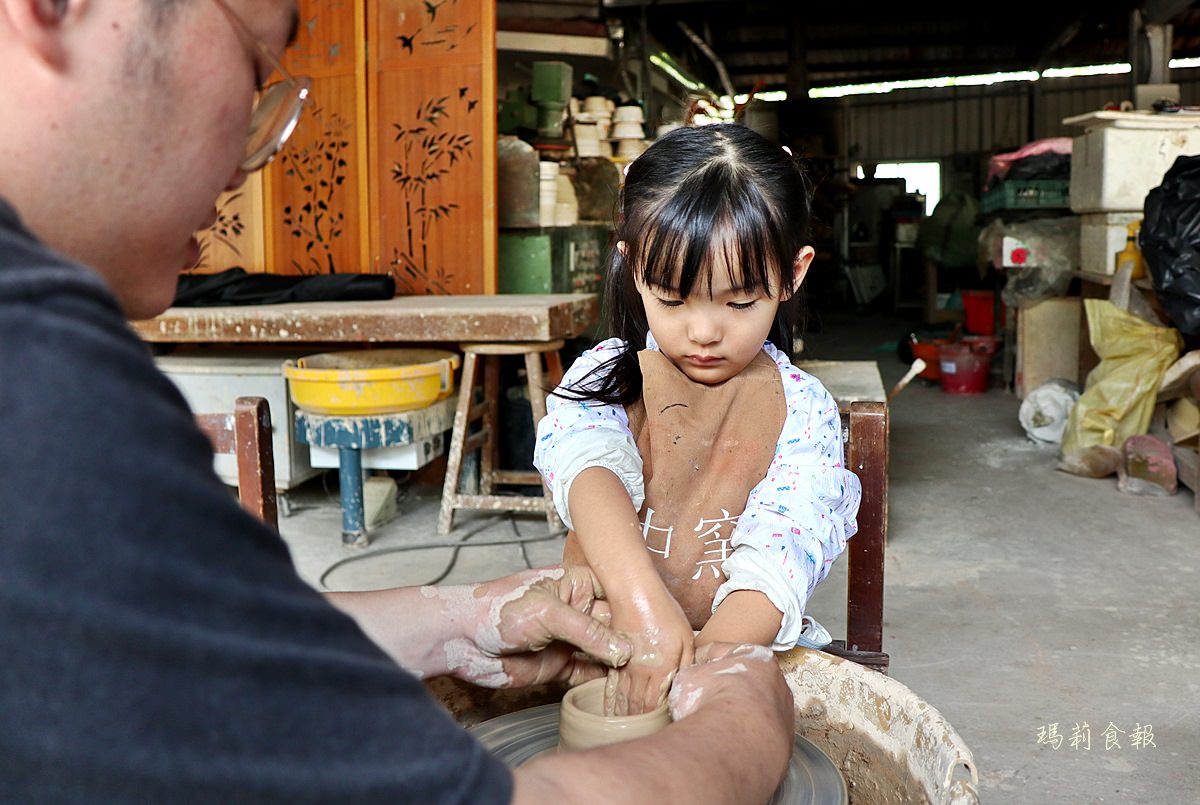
930, 352
979, 309
964, 371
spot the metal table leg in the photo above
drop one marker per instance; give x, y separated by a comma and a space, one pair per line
354, 530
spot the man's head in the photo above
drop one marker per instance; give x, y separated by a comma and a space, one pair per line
122, 122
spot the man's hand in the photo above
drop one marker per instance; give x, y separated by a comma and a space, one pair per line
725, 669
546, 625
535, 624
730, 742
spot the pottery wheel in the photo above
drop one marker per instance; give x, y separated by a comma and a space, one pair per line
812, 778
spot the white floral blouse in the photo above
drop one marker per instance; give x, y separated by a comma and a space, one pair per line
796, 520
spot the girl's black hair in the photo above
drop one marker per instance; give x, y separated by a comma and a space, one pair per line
693, 192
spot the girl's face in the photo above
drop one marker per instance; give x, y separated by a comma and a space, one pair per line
713, 337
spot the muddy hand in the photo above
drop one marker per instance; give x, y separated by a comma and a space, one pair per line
727, 670
662, 642
546, 625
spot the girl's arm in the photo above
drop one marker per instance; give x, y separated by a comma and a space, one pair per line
610, 535
589, 460
796, 522
745, 616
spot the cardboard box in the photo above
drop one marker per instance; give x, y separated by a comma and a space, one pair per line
1047, 343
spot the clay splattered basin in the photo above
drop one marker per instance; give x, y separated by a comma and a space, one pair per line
892, 746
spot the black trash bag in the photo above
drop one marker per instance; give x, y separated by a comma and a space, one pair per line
1041, 166
238, 287
1170, 242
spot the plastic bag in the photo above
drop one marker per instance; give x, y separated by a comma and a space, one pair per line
1120, 395
948, 236
998, 167
1045, 410
1053, 253
1170, 242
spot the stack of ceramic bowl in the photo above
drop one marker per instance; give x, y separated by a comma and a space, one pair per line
547, 192
600, 109
627, 131
566, 209
587, 136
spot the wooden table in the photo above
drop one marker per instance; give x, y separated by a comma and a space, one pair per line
848, 381
502, 317
858, 390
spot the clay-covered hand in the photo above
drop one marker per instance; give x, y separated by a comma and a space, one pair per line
662, 643
744, 677
548, 625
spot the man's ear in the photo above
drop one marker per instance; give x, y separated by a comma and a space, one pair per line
37, 26
804, 259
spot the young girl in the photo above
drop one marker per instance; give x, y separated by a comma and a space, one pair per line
699, 471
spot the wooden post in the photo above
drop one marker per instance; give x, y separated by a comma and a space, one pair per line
864, 610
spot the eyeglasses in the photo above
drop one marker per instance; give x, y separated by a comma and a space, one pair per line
279, 106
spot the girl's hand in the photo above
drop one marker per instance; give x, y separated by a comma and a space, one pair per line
662, 641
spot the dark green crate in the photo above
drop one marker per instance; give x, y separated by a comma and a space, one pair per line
1028, 194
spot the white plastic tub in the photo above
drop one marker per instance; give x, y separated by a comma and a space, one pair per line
1113, 168
1101, 236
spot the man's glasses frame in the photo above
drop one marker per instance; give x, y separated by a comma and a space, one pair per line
279, 106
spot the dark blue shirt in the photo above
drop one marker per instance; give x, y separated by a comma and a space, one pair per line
155, 643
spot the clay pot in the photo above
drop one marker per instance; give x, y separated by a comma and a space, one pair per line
583, 725
628, 114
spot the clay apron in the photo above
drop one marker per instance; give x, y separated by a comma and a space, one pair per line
703, 449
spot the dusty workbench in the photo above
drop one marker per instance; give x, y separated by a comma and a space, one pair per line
848, 381
502, 317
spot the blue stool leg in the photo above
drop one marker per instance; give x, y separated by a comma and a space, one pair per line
354, 531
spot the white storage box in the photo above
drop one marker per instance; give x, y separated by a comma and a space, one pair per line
1112, 168
402, 457
1101, 236
211, 380
429, 435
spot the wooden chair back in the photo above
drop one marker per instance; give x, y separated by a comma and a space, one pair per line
246, 434
865, 426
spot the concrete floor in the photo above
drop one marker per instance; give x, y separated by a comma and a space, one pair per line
1017, 597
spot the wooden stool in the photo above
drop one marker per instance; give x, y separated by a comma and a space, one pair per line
462, 443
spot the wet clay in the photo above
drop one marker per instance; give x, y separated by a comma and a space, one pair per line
583, 725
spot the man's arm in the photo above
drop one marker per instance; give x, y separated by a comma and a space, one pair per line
730, 743
515, 631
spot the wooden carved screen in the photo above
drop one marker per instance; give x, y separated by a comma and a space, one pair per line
392, 167
317, 185
238, 238
433, 120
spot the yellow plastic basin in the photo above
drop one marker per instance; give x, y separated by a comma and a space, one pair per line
371, 381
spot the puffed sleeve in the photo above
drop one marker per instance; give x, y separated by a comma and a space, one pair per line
574, 435
798, 518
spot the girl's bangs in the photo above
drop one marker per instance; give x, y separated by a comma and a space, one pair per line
710, 221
